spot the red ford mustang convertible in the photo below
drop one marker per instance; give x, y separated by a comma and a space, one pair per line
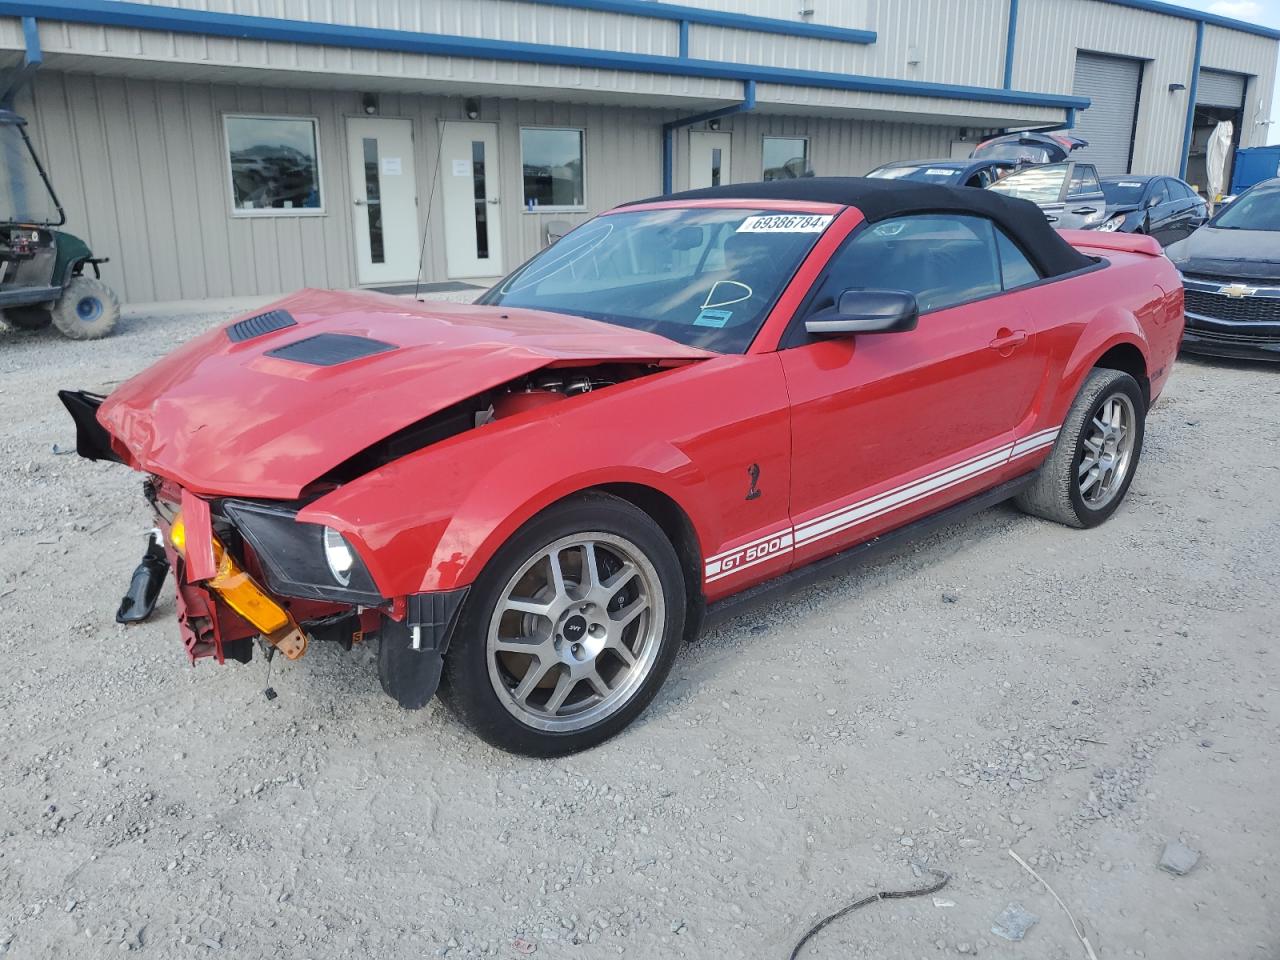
683, 405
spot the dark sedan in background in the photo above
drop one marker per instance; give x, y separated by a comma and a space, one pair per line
1231, 275
1163, 207
952, 173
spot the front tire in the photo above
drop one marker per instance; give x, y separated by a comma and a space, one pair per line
88, 310
1095, 456
570, 630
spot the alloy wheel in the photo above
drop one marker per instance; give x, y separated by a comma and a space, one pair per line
1106, 451
576, 632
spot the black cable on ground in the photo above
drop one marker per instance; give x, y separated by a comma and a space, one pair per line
943, 879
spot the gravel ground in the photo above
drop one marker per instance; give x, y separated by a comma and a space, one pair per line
1080, 697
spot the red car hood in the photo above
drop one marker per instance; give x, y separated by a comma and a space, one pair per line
226, 418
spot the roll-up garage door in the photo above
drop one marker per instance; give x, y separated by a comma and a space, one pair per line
1113, 84
1219, 89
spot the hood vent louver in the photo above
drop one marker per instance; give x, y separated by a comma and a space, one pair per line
251, 327
330, 349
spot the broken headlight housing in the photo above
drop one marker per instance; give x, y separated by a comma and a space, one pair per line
305, 560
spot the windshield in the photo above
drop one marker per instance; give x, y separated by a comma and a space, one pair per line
1256, 210
925, 173
1123, 192
24, 197
1041, 184
704, 278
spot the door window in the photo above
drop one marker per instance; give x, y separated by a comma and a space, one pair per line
1159, 193
1084, 181
943, 260
1015, 269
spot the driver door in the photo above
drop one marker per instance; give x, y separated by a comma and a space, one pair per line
889, 427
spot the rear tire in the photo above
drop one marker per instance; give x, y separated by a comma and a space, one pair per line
88, 310
1094, 459
601, 633
28, 318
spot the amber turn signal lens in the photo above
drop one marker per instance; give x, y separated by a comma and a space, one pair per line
242, 594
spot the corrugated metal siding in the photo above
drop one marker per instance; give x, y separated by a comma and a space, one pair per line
141, 168
1112, 83
1218, 89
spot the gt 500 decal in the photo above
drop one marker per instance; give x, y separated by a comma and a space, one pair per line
850, 515
750, 554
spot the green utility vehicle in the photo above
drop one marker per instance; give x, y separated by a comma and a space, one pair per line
42, 268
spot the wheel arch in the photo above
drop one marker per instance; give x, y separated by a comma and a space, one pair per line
1128, 358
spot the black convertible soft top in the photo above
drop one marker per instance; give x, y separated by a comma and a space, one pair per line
882, 199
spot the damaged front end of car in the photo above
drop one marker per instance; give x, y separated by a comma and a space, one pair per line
249, 573
248, 428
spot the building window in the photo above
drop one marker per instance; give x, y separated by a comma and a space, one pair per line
785, 158
274, 164
552, 161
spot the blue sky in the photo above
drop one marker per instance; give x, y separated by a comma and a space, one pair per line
1264, 12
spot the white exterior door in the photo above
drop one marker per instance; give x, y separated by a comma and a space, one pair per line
385, 194
469, 186
709, 155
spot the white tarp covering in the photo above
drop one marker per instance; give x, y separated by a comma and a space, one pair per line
1216, 157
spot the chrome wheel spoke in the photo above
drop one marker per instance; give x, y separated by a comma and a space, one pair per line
624, 652
1090, 480
564, 686
597, 683
529, 682
590, 567
620, 579
519, 605
624, 617
1087, 466
557, 575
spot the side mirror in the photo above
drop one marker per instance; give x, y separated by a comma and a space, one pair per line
867, 311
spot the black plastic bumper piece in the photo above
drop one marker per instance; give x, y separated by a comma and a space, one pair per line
411, 651
1206, 344
139, 602
92, 440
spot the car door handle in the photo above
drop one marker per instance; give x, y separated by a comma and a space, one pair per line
1085, 210
1006, 340
494, 200
359, 203
1051, 218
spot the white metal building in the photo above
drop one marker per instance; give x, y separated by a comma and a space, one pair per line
225, 147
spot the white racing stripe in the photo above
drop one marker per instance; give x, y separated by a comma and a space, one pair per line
786, 539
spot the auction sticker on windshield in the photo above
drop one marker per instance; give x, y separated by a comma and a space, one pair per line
785, 223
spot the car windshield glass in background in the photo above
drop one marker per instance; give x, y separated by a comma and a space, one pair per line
1256, 210
1038, 184
1014, 151
705, 278
1123, 192
24, 198
925, 174
273, 164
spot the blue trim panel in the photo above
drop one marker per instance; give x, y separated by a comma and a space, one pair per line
1192, 92
1010, 44
684, 39
31, 35
119, 13
717, 18
1172, 10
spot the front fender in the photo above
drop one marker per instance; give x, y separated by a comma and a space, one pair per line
431, 521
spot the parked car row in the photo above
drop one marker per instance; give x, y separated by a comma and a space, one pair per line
1230, 264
